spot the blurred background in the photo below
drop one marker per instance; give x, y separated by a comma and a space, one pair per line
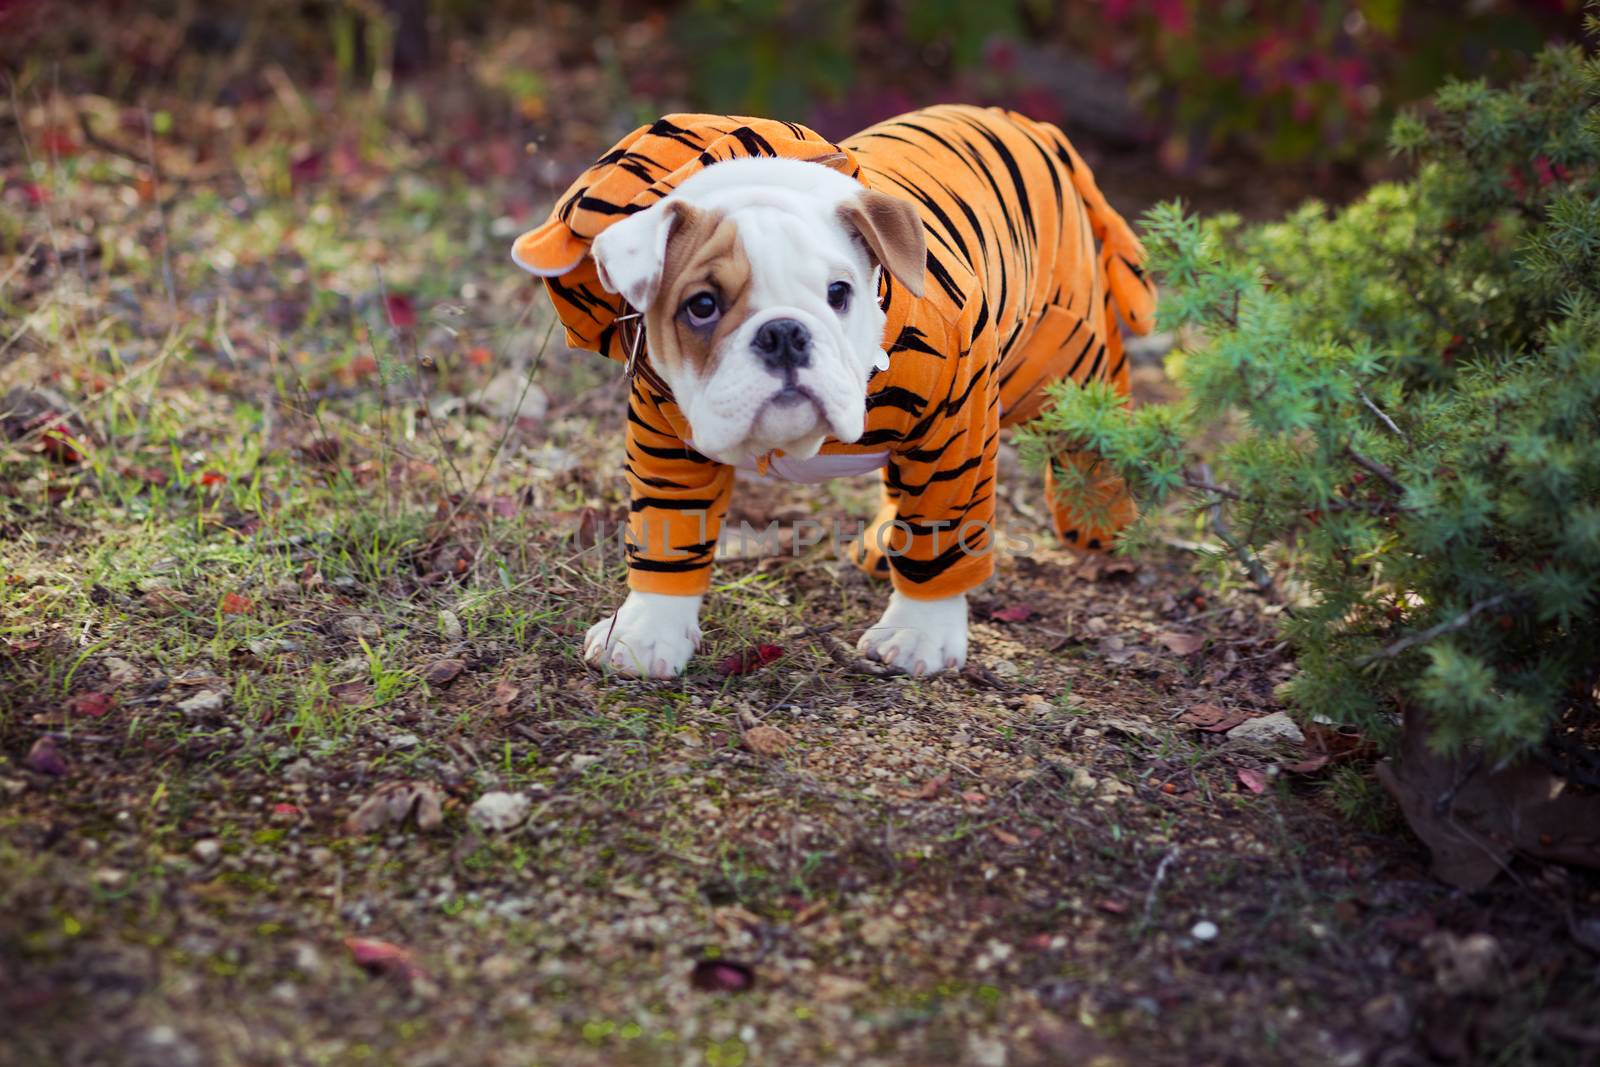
1249, 104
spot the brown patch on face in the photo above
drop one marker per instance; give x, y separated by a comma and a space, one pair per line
704, 255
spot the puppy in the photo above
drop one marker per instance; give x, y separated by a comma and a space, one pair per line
809, 310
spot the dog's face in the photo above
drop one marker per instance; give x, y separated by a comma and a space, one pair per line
758, 283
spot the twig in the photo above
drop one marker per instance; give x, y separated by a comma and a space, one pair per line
1376, 468
1382, 415
1155, 884
161, 214
106, 144
1405, 644
1252, 564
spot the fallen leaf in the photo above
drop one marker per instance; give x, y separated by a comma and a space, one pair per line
46, 757
750, 659
837, 987
1112, 907
1182, 644
1253, 780
393, 803
402, 312
1474, 816
932, 787
767, 740
1014, 613
1211, 719
722, 976
1307, 766
503, 695
974, 798
355, 694
321, 449
286, 809
213, 478
163, 600
1005, 837
382, 959
809, 912
442, 671
90, 705
234, 604
479, 356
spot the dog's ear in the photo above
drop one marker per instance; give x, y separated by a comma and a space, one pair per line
833, 161
893, 231
631, 254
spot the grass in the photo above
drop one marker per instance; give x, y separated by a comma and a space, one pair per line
290, 495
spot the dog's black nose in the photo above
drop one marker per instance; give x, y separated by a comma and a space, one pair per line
783, 344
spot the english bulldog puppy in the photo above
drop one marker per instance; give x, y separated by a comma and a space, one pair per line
812, 310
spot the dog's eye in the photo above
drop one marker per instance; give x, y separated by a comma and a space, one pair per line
839, 295
701, 309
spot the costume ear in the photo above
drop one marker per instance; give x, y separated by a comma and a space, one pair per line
630, 254
893, 231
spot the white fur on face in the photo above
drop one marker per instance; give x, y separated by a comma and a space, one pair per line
787, 217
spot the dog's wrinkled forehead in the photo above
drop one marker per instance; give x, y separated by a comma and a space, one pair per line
835, 214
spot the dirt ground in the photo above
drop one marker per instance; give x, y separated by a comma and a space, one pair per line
302, 516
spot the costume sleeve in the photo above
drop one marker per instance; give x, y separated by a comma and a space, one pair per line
942, 480
678, 500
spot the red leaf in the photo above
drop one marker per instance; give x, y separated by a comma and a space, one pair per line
722, 976
1112, 907
479, 356
1253, 780
750, 659
306, 167
383, 959
234, 604
285, 809
932, 787
91, 705
402, 312
1005, 837
213, 478
1015, 613
57, 443
46, 757
1307, 766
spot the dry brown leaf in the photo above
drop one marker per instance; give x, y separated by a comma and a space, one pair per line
767, 740
1181, 644
442, 671
392, 803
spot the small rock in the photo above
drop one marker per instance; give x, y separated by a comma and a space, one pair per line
510, 394
109, 877
449, 626
836, 987
985, 1051
1005, 670
404, 741
1388, 1014
1464, 965
496, 812
206, 851
1082, 779
357, 626
1204, 930
498, 968
581, 762
46, 757
119, 671
206, 700
1273, 729
879, 931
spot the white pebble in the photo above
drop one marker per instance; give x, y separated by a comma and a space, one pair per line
1204, 930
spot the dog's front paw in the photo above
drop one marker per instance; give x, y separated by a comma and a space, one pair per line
651, 636
919, 636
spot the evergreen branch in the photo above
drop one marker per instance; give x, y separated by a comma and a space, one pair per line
1406, 644
1374, 467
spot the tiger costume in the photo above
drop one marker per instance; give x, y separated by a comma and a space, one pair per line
1027, 270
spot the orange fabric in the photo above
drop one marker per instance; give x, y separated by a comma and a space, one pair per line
1028, 267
